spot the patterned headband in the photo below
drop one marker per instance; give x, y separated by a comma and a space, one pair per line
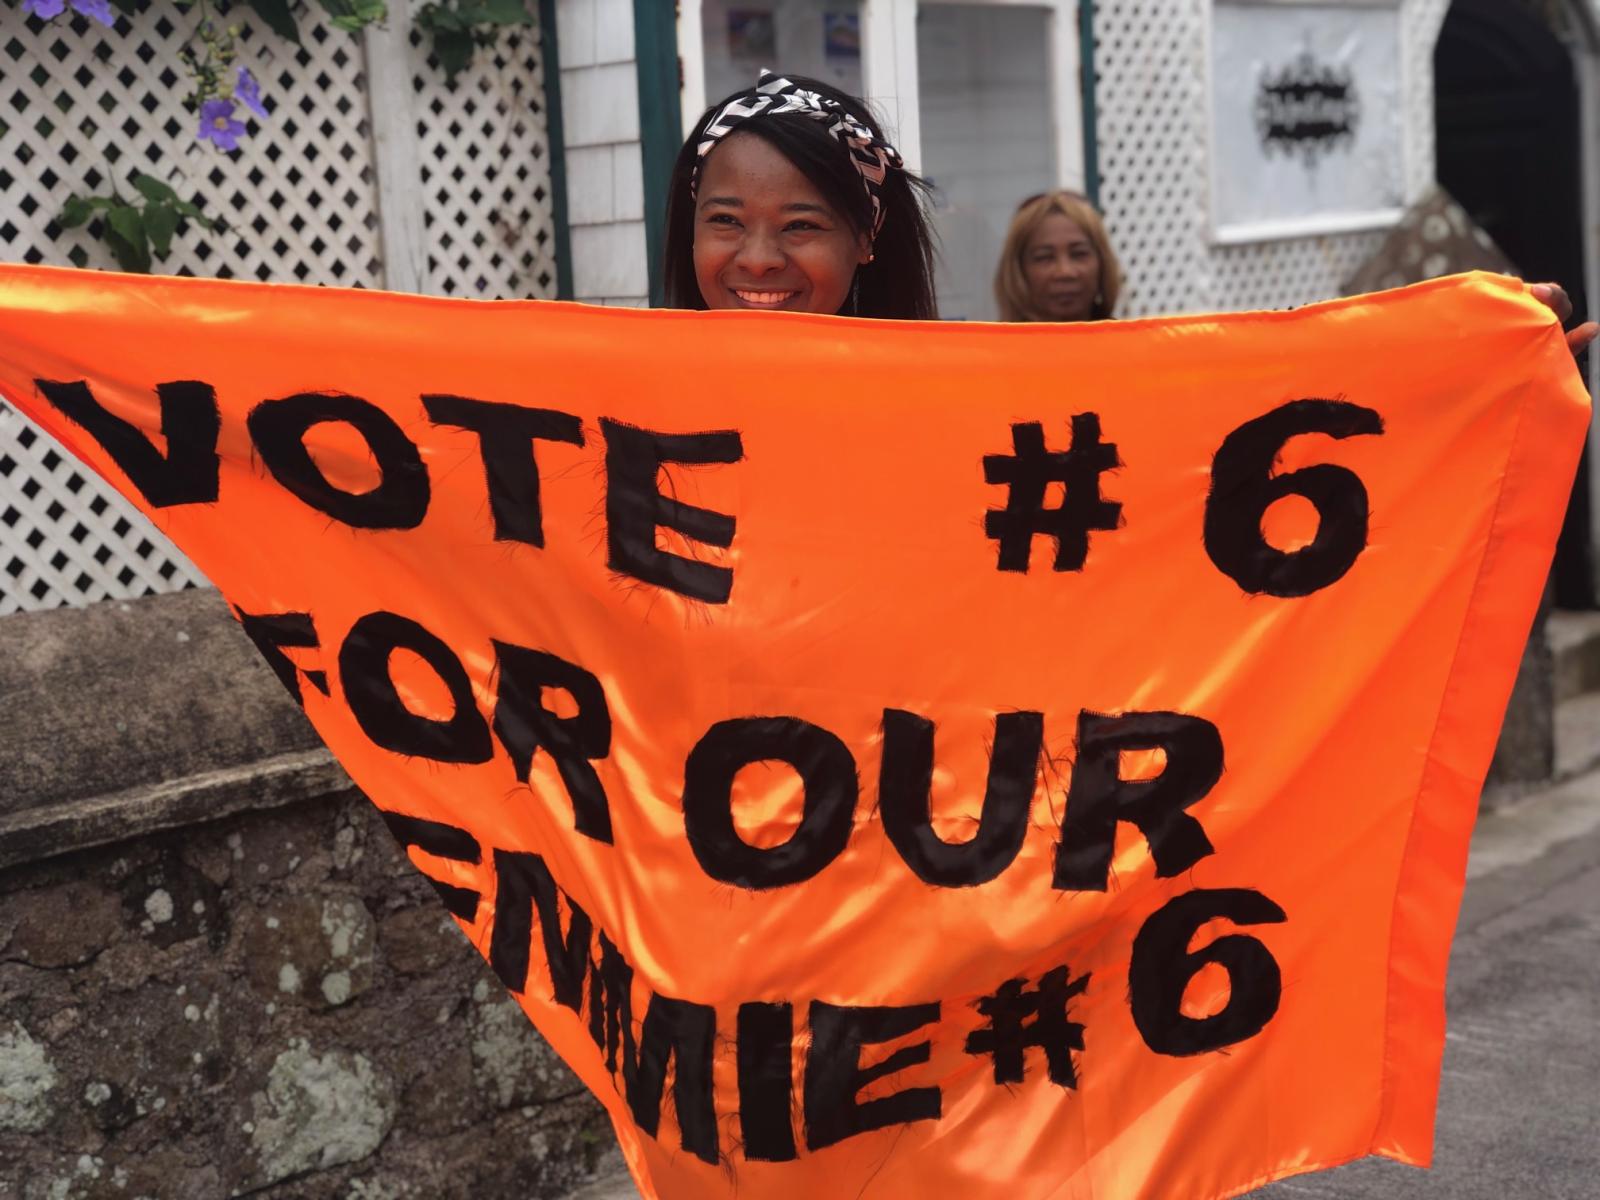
774, 96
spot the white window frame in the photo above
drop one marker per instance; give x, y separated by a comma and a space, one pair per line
889, 73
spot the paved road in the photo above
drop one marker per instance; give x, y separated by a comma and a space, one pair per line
1519, 1107
1519, 1101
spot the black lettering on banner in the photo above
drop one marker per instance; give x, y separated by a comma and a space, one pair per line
635, 508
835, 1076
827, 771
525, 885
1019, 1018
524, 726
1098, 797
766, 1080
506, 434
672, 1029
383, 716
400, 500
610, 1000
441, 841
905, 798
1243, 488
271, 632
189, 472
1163, 965
1027, 473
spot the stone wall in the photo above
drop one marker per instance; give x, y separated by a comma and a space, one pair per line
269, 1003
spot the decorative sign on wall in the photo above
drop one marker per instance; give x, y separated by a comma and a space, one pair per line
1306, 130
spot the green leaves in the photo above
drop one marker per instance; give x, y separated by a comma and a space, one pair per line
126, 237
79, 209
278, 18
154, 190
459, 27
353, 15
495, 12
135, 233
160, 223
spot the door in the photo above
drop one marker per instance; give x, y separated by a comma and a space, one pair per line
1509, 149
988, 136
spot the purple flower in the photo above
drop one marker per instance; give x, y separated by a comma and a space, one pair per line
45, 10
218, 126
96, 10
246, 91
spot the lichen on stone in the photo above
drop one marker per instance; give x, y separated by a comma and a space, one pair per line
319, 1111
27, 1076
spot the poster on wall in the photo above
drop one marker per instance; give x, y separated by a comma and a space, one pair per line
816, 38
1306, 118
752, 37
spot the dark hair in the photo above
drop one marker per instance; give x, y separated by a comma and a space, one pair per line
897, 283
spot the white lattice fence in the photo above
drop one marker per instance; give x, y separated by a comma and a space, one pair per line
484, 152
303, 200
1150, 59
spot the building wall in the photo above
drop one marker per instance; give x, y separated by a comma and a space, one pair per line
600, 125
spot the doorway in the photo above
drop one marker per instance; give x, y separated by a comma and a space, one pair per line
1509, 128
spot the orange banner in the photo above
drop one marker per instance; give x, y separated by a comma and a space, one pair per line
888, 759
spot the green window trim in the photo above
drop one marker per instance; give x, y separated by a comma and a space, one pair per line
655, 34
551, 58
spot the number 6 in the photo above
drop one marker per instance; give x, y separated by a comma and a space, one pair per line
1243, 488
1163, 965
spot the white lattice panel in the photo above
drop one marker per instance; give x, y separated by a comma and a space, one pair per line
484, 150
300, 200
78, 101
297, 197
66, 538
1151, 129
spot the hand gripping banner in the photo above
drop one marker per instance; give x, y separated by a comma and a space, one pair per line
888, 759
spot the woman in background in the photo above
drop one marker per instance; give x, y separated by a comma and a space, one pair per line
1057, 263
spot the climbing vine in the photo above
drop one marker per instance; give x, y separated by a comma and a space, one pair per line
224, 94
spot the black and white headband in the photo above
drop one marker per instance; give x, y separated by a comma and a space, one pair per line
773, 96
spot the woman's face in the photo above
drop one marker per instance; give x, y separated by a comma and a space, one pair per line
764, 237
1062, 270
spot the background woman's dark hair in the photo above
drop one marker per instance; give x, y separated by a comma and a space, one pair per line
897, 283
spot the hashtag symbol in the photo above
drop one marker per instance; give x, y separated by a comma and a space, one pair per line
1029, 471
1020, 1018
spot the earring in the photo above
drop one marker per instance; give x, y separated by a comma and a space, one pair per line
855, 294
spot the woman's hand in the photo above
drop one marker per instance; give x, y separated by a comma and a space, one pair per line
1555, 297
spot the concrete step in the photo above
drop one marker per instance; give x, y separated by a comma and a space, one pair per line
1575, 646
1574, 639
1577, 734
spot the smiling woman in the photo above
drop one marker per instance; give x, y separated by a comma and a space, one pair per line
788, 196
